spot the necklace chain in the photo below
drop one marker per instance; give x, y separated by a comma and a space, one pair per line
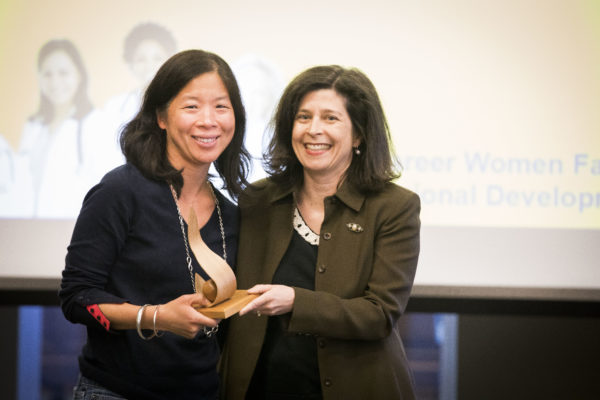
220, 222
188, 258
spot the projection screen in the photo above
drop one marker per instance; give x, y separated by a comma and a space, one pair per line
493, 108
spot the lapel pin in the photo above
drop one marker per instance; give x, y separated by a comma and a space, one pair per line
354, 227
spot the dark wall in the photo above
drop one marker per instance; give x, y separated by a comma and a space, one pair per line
528, 357
500, 356
8, 351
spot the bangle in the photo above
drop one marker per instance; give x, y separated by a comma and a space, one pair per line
156, 333
138, 323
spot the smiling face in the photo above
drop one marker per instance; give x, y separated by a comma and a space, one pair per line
322, 136
59, 78
199, 122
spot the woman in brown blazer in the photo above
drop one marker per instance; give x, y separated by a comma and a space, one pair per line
331, 246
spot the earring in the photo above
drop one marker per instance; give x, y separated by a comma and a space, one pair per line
357, 151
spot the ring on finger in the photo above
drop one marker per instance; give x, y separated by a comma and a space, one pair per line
258, 314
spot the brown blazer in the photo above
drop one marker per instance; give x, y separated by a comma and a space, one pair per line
363, 281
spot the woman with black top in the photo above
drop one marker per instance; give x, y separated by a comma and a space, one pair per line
129, 275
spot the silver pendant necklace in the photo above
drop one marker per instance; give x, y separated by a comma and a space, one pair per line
188, 258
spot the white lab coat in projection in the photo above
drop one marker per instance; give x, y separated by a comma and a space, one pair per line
12, 184
61, 167
117, 112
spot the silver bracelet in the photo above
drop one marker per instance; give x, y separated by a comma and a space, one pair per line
138, 323
156, 333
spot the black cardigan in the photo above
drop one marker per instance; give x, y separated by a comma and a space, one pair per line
127, 246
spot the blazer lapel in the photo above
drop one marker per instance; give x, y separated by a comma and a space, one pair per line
279, 236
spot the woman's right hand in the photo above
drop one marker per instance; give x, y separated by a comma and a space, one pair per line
181, 318
272, 300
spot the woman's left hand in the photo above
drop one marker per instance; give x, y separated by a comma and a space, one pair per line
273, 300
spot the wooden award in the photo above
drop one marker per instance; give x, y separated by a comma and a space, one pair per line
221, 288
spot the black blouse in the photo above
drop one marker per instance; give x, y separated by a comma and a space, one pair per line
288, 366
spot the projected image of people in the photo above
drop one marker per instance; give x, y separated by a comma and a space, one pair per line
7, 179
58, 140
261, 85
145, 49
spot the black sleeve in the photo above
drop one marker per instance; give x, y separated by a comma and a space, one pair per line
99, 234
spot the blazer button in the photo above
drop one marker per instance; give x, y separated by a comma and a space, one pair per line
327, 236
322, 268
322, 343
327, 382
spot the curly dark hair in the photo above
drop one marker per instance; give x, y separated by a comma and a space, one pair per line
148, 31
376, 164
144, 143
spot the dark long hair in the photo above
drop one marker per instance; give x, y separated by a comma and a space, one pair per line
144, 143
377, 163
